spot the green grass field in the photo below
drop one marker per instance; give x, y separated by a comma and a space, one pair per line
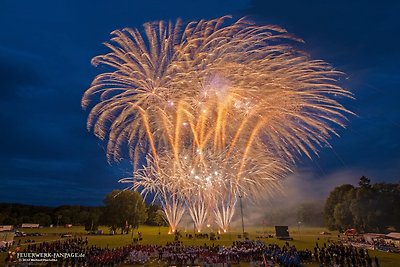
302, 239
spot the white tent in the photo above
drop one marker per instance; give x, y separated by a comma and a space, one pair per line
6, 228
394, 235
30, 225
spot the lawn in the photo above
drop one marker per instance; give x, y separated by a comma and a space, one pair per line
302, 238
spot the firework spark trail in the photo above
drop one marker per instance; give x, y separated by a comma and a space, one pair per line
239, 94
149, 182
207, 186
238, 71
224, 211
198, 207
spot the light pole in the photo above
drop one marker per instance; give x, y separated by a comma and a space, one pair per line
58, 219
299, 223
241, 212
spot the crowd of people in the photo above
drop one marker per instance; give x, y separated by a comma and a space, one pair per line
255, 253
5, 247
377, 242
86, 255
337, 254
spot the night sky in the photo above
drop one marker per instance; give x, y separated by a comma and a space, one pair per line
47, 156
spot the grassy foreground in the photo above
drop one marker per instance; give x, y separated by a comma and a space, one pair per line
302, 238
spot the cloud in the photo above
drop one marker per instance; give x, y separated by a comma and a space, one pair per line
15, 77
359, 38
45, 68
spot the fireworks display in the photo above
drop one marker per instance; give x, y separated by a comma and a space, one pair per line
215, 110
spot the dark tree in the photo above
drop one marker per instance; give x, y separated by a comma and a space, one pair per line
339, 195
368, 208
42, 219
311, 214
154, 216
124, 208
364, 182
343, 217
16, 214
92, 219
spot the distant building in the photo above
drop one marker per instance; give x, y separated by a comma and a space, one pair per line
6, 228
30, 225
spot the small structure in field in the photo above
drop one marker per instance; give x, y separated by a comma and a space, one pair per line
30, 225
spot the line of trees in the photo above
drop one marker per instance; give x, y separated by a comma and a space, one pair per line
121, 208
366, 207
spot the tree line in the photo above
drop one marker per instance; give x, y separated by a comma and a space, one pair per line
122, 209
366, 207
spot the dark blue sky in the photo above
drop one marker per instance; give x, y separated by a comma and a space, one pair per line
48, 157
